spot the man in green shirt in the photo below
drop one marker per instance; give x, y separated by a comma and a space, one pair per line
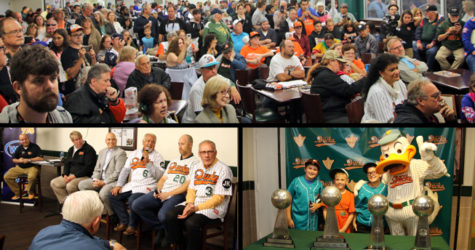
449, 34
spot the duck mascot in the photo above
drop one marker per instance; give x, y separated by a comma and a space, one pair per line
405, 178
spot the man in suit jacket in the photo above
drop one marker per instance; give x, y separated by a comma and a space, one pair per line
107, 170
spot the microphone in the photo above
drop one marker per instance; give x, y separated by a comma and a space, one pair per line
147, 149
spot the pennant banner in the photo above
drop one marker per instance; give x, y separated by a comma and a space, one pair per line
351, 148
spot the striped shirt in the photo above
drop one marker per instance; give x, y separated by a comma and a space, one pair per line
178, 172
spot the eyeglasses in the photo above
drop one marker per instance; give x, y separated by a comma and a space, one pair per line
50, 24
77, 35
14, 32
206, 152
436, 95
398, 47
371, 172
3, 48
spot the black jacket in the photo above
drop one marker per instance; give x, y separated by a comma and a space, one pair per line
407, 113
334, 92
138, 80
82, 162
86, 106
139, 24
6, 87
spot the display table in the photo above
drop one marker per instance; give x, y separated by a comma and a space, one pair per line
305, 239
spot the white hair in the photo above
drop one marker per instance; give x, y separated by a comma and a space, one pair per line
82, 207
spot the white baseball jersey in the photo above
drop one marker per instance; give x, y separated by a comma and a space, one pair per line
217, 179
144, 178
178, 172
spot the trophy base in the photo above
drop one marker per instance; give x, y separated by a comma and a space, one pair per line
275, 242
376, 248
330, 243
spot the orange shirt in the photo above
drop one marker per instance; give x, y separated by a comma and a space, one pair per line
360, 64
160, 50
344, 208
249, 53
308, 24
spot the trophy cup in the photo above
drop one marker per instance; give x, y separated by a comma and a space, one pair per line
423, 206
331, 238
280, 237
377, 205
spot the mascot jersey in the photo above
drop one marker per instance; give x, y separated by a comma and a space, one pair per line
361, 202
302, 192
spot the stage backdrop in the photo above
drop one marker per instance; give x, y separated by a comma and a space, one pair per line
10, 143
351, 148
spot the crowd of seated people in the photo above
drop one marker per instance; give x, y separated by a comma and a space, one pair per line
138, 45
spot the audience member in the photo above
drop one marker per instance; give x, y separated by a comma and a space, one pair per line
124, 67
334, 92
216, 26
365, 42
285, 66
317, 34
389, 23
34, 73
259, 14
87, 10
82, 213
106, 45
308, 16
383, 90
344, 16
280, 15
145, 20
6, 88
78, 166
172, 23
406, 32
322, 14
410, 69
12, 35
237, 36
145, 166
468, 103
288, 24
154, 101
267, 35
426, 37
449, 34
357, 66
321, 48
91, 37
144, 74
254, 53
215, 102
26, 153
244, 17
99, 101
206, 200
109, 163
423, 101
176, 54
230, 62
468, 8
330, 28
302, 39
468, 44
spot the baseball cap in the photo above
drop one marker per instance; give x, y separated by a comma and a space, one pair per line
453, 11
389, 136
216, 11
361, 26
253, 34
297, 24
115, 35
74, 28
431, 8
343, 5
333, 55
236, 22
207, 60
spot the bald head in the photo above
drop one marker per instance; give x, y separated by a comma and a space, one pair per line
111, 140
24, 140
185, 145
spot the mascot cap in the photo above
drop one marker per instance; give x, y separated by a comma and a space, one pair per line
390, 136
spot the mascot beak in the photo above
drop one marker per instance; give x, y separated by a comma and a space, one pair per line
396, 160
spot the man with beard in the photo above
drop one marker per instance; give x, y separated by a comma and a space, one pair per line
96, 101
34, 73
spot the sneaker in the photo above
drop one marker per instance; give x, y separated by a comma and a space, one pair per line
31, 196
15, 197
129, 231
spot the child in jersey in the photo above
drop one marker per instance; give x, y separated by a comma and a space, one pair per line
147, 41
364, 219
345, 210
305, 191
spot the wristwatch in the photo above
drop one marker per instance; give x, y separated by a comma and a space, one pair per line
111, 243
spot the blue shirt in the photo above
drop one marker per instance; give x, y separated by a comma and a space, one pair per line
67, 235
361, 202
302, 192
312, 11
147, 43
237, 41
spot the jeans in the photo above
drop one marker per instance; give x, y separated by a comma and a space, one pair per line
147, 207
470, 58
118, 205
430, 54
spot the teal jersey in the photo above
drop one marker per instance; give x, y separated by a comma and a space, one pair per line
361, 202
302, 192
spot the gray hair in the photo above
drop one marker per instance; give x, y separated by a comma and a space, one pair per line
210, 142
414, 91
171, 34
137, 60
96, 71
152, 135
82, 207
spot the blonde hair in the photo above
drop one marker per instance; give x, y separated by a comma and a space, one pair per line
212, 87
82, 207
127, 54
75, 133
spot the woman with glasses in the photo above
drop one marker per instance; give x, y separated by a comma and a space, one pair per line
468, 104
106, 45
154, 100
384, 90
215, 102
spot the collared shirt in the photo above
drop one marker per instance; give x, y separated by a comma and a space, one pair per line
108, 156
